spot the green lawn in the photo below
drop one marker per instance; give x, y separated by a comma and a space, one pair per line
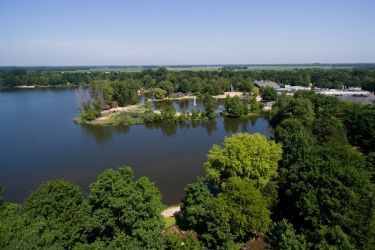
170, 221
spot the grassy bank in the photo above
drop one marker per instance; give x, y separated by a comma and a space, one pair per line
124, 118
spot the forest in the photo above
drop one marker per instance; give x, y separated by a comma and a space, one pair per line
311, 186
212, 82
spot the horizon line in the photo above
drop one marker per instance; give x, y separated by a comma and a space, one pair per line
191, 65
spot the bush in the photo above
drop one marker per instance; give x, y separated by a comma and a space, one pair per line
195, 114
149, 116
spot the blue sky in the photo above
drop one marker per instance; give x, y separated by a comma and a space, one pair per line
110, 32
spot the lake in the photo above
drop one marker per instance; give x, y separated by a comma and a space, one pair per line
40, 141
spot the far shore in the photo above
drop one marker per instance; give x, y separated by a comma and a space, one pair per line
27, 87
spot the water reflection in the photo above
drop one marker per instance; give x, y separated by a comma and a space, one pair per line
230, 126
103, 133
209, 125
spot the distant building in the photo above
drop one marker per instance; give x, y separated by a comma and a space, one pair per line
290, 90
336, 92
350, 94
267, 83
359, 99
176, 95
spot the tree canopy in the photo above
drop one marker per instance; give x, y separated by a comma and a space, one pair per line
120, 212
247, 156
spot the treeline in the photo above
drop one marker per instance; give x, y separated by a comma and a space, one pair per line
211, 82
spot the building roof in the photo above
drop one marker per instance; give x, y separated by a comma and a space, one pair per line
262, 84
359, 99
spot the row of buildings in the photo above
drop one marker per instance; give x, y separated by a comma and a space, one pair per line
350, 94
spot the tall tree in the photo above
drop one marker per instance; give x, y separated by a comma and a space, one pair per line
125, 93
126, 209
53, 216
246, 207
268, 94
209, 106
252, 157
296, 141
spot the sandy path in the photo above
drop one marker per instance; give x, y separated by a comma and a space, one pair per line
171, 211
231, 94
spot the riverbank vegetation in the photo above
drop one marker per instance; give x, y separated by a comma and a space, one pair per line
310, 187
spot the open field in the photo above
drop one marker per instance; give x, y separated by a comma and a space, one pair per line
234, 67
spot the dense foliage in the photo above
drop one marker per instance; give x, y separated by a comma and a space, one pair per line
319, 194
326, 190
268, 94
252, 157
210, 82
120, 212
233, 201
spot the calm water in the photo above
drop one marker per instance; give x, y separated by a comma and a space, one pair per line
39, 142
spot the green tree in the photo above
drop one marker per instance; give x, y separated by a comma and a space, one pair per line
333, 238
125, 93
360, 123
246, 86
296, 141
331, 189
12, 223
102, 90
174, 241
217, 231
290, 107
195, 114
206, 215
253, 104
284, 237
234, 107
268, 94
329, 129
90, 110
246, 206
126, 210
158, 93
53, 216
167, 86
192, 212
253, 157
168, 112
209, 106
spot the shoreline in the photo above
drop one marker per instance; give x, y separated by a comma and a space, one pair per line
171, 211
32, 87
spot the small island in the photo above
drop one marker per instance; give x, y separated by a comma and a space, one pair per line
112, 103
